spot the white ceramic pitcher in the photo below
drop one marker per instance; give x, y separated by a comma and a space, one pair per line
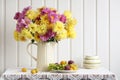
45, 54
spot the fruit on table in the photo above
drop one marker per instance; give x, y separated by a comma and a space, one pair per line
70, 62
63, 62
36, 70
33, 71
24, 69
73, 66
54, 66
63, 65
67, 67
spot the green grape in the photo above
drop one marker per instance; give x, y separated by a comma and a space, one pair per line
54, 66
51, 66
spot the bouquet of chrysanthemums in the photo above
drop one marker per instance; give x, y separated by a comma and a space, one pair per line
44, 25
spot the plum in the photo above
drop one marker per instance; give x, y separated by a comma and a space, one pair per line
67, 67
70, 62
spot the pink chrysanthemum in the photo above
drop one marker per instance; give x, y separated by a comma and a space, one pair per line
62, 18
53, 17
48, 35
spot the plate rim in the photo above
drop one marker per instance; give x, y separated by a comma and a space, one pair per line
64, 71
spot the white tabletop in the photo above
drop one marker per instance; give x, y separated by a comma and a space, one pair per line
92, 74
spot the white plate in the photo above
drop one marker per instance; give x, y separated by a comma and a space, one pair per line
64, 71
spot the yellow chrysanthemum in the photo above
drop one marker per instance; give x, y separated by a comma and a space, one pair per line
41, 29
44, 17
16, 35
45, 22
71, 33
27, 33
32, 27
67, 14
61, 35
69, 28
31, 14
58, 27
70, 23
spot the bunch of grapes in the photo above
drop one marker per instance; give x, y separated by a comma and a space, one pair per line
55, 66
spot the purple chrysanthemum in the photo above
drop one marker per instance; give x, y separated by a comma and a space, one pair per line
27, 21
62, 18
22, 21
20, 16
17, 15
19, 27
22, 24
53, 17
45, 11
48, 35
26, 9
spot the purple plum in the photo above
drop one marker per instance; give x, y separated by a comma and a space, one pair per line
70, 62
67, 67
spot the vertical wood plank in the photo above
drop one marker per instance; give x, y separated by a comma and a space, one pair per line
36, 4
77, 11
10, 43
1, 36
52, 4
103, 31
24, 58
89, 27
64, 45
115, 36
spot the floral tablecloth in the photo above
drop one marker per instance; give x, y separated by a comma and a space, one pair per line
81, 74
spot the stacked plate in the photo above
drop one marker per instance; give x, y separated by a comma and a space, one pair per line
92, 62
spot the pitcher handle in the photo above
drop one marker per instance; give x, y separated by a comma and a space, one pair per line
30, 52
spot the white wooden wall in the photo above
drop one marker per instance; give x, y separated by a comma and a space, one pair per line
98, 32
